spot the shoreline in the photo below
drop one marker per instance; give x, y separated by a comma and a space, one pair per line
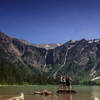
43, 85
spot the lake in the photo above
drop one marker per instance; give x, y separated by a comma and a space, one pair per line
83, 92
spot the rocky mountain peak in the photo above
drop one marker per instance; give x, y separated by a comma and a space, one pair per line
73, 57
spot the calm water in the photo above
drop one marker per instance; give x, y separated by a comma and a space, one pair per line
83, 92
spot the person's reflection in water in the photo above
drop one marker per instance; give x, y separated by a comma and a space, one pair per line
49, 97
65, 96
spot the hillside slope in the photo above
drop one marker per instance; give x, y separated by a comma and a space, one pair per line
80, 59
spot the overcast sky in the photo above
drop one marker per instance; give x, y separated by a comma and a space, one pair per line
50, 21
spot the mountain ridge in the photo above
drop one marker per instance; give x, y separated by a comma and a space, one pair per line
76, 58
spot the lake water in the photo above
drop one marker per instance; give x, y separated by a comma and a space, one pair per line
83, 92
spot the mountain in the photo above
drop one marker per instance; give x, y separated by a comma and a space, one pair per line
49, 46
80, 59
46, 46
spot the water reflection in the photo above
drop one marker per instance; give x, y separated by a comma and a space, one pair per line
95, 92
46, 98
65, 97
58, 97
83, 93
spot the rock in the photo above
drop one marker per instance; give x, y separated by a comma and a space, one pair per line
44, 92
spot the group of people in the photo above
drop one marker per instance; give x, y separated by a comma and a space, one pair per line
65, 82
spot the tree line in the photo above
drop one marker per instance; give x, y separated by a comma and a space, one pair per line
13, 74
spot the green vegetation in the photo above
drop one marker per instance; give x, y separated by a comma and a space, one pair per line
21, 74
81, 74
53, 70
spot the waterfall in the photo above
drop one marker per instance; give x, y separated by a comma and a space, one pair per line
93, 70
54, 75
45, 60
93, 73
66, 54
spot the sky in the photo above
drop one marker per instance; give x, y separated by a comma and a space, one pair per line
50, 21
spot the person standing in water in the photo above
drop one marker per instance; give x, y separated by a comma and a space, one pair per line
68, 82
62, 83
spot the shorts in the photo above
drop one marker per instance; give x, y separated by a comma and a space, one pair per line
62, 82
68, 83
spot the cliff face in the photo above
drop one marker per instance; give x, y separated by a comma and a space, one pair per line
72, 57
14, 50
30, 55
78, 58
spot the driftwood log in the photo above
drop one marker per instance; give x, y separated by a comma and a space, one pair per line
44, 92
66, 91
